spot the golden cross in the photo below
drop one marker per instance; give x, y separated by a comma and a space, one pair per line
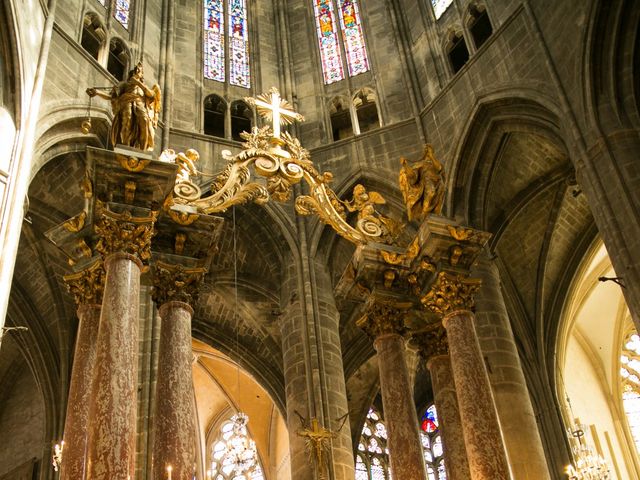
276, 109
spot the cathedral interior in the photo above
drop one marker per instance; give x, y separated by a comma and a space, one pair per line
319, 239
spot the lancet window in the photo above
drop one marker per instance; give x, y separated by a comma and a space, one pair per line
345, 18
233, 453
122, 11
440, 6
432, 445
630, 375
236, 41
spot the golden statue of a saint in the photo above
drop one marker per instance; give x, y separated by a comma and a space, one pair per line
422, 185
135, 110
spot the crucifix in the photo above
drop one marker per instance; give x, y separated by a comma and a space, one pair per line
272, 107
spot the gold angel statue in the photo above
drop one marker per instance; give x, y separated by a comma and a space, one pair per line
135, 109
364, 202
422, 185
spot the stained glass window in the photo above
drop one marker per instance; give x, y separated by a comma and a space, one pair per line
328, 41
353, 38
432, 445
214, 40
630, 374
439, 6
238, 44
122, 12
372, 459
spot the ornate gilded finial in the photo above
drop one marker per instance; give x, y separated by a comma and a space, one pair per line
422, 185
450, 293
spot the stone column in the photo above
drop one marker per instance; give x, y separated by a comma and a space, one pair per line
513, 402
433, 347
124, 243
452, 297
385, 324
174, 418
87, 288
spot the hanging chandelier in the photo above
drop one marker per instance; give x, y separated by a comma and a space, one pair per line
239, 458
588, 465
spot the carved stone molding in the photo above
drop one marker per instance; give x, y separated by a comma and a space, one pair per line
431, 341
450, 293
383, 319
176, 283
87, 285
122, 232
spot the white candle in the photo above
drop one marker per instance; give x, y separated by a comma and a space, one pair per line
169, 470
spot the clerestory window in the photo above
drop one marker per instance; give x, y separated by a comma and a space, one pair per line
630, 377
348, 22
226, 42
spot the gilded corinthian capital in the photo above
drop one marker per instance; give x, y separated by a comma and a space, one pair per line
87, 285
122, 232
383, 319
175, 283
450, 293
431, 341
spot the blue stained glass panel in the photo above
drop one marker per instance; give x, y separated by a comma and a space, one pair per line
239, 73
353, 37
214, 40
122, 12
328, 41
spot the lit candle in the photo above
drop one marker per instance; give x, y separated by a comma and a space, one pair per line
169, 470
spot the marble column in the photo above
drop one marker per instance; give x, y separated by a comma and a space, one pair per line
452, 297
87, 288
124, 241
174, 417
446, 401
386, 325
481, 430
513, 402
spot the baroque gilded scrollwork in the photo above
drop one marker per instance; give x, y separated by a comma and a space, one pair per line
87, 285
281, 159
176, 283
122, 232
450, 293
76, 223
383, 319
422, 185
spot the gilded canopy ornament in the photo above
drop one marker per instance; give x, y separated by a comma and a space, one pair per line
450, 293
87, 285
176, 283
122, 232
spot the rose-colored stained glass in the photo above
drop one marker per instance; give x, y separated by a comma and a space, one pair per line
214, 40
328, 41
122, 12
353, 37
239, 73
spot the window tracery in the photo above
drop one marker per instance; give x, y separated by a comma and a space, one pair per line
352, 37
123, 8
432, 445
630, 377
214, 42
229, 457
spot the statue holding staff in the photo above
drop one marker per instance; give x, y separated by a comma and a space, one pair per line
135, 110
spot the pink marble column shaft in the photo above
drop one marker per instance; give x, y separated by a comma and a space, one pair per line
112, 426
481, 429
77, 420
444, 394
174, 418
405, 448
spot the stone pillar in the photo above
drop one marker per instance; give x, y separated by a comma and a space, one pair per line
87, 288
174, 418
313, 372
433, 347
385, 324
513, 402
124, 243
452, 297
